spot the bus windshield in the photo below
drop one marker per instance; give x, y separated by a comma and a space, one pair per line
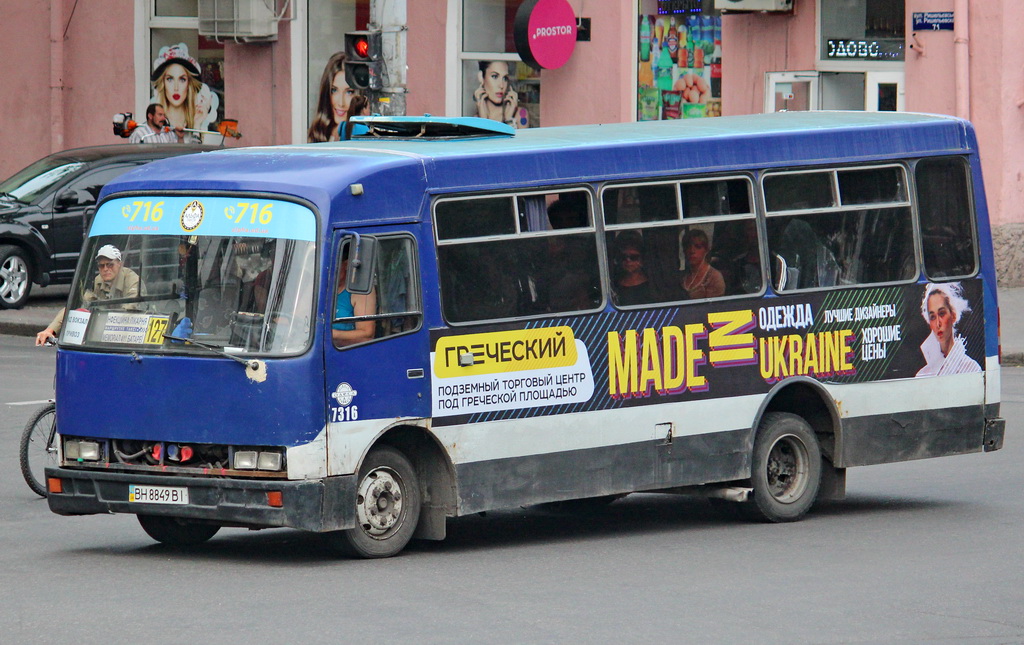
241, 294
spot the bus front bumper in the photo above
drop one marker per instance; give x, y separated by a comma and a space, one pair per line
312, 505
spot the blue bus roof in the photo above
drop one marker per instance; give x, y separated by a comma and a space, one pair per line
408, 168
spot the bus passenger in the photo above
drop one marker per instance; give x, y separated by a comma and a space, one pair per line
741, 267
566, 278
113, 281
631, 284
700, 279
347, 305
945, 352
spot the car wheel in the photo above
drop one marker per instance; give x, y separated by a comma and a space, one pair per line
15, 278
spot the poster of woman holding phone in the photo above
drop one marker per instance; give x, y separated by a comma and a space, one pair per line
495, 97
945, 351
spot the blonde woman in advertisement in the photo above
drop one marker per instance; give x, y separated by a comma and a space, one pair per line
176, 86
945, 352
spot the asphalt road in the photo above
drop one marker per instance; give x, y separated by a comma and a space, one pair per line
919, 552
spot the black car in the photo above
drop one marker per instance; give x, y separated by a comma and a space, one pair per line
43, 209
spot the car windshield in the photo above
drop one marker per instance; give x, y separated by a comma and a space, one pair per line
244, 295
29, 184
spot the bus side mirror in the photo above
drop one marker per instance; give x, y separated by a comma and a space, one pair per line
362, 264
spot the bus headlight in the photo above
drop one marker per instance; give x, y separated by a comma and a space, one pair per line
253, 460
269, 461
245, 460
78, 450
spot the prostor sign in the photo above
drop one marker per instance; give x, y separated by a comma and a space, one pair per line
545, 32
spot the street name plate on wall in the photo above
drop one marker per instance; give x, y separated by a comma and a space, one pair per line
933, 21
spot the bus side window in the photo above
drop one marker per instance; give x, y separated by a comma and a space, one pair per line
547, 265
397, 287
737, 256
393, 302
946, 213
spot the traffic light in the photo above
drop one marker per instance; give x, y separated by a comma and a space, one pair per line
364, 64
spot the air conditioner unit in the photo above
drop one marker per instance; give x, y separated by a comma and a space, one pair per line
244, 20
754, 5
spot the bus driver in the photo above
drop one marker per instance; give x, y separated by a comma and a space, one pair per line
112, 281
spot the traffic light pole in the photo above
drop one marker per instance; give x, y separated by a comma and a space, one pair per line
388, 17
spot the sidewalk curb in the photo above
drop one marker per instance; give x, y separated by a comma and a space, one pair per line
18, 328
1013, 359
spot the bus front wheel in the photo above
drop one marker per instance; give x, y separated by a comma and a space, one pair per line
177, 532
387, 506
786, 470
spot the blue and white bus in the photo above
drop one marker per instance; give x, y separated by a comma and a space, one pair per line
446, 316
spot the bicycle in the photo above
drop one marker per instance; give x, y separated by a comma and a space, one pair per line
39, 447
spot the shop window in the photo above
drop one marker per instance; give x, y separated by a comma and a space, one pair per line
176, 8
679, 54
863, 30
496, 84
184, 71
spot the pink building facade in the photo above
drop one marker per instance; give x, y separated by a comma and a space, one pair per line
69, 67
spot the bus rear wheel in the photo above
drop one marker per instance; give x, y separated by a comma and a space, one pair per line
786, 470
387, 506
173, 531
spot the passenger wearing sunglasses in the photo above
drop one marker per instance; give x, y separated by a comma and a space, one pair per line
632, 286
112, 281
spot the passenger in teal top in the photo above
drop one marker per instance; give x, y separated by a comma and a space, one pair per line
343, 309
347, 305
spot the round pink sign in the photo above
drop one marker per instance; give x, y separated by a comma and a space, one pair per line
545, 32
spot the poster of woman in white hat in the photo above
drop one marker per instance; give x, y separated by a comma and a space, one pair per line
188, 102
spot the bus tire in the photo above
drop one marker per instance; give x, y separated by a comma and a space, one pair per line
786, 469
176, 532
387, 506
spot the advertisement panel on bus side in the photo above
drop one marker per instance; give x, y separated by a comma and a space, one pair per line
642, 357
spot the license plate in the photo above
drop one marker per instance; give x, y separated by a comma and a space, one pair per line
157, 494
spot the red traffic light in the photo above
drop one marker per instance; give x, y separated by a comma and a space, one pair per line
362, 47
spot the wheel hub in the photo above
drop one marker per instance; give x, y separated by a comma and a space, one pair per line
379, 503
13, 279
787, 469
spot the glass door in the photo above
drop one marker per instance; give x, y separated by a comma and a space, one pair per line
791, 91
884, 91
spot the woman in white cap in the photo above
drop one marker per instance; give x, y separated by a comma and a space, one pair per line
176, 85
112, 281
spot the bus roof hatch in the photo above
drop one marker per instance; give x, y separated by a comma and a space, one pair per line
431, 127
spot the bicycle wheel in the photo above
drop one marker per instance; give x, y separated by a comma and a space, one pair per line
39, 447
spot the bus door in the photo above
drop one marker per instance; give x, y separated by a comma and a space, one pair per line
376, 350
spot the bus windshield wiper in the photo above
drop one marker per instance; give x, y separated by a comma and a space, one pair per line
216, 349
